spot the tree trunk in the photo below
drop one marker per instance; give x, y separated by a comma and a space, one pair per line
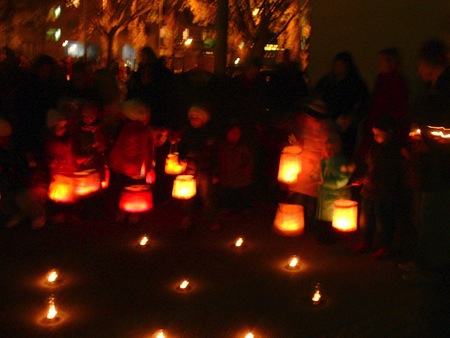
220, 53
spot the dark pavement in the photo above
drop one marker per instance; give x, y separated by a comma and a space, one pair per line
111, 288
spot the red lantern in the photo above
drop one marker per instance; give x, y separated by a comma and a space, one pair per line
136, 199
61, 189
345, 215
290, 164
184, 187
289, 219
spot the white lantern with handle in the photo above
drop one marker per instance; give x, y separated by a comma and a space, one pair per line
173, 166
289, 220
184, 187
290, 164
345, 215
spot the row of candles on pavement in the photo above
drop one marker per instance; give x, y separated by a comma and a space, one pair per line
53, 279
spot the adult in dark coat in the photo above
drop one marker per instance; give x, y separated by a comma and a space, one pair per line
389, 99
347, 98
430, 155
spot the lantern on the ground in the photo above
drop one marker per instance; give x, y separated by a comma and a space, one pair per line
86, 182
136, 198
345, 215
184, 187
289, 219
61, 189
290, 164
173, 166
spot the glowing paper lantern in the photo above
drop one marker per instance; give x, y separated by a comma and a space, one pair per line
184, 187
61, 189
86, 182
345, 215
173, 167
136, 198
290, 164
289, 220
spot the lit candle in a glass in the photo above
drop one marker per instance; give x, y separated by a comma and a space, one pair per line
317, 296
159, 334
51, 313
239, 242
184, 284
293, 263
144, 241
52, 276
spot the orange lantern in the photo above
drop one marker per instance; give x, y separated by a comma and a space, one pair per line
136, 198
86, 182
173, 167
61, 189
289, 219
290, 164
345, 215
184, 187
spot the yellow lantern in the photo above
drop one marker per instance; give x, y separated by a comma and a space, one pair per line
290, 164
289, 220
184, 187
345, 215
86, 182
61, 189
173, 167
136, 198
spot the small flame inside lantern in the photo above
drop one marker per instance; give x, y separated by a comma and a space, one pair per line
144, 240
51, 313
293, 263
239, 242
249, 335
52, 276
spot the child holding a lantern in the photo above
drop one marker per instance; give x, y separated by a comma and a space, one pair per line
131, 156
381, 188
334, 175
235, 166
196, 147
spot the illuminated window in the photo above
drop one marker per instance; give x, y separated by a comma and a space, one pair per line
73, 3
54, 34
54, 13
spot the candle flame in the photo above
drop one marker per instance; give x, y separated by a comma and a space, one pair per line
144, 240
293, 262
142, 173
52, 276
239, 242
249, 335
51, 314
184, 284
316, 297
160, 334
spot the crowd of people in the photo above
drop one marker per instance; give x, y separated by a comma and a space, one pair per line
229, 133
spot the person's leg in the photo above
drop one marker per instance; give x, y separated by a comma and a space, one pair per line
386, 216
368, 222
